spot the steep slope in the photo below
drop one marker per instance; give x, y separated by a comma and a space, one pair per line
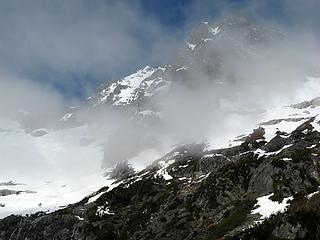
195, 193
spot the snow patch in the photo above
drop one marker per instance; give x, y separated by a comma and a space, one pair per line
162, 69
208, 155
104, 210
202, 177
79, 218
262, 153
132, 82
206, 39
214, 31
266, 207
163, 171
315, 124
184, 166
312, 194
66, 117
313, 146
191, 46
182, 68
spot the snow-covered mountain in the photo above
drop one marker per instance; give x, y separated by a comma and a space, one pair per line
260, 160
129, 90
207, 48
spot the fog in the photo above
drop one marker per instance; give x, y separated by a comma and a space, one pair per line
202, 106
50, 49
234, 100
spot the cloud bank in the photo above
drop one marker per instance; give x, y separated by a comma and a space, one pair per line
73, 45
53, 51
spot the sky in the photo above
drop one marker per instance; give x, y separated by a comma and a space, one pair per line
73, 46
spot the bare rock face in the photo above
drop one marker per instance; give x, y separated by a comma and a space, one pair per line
313, 103
6, 192
288, 231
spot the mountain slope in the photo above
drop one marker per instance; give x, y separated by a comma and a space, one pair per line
195, 193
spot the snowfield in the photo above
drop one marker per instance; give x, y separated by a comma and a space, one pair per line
55, 169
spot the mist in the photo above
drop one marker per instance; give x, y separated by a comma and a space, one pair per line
215, 108
242, 91
56, 58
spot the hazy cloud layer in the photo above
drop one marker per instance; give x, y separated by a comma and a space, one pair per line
204, 105
53, 52
75, 44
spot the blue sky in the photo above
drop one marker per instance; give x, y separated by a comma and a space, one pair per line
75, 45
170, 13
